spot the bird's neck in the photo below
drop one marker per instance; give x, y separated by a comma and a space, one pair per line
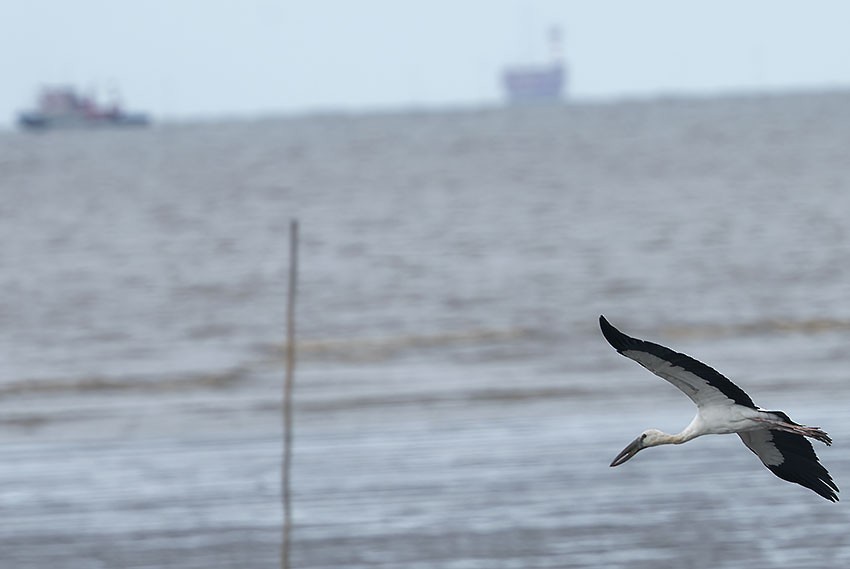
683, 437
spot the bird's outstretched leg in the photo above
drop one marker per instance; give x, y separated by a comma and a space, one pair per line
813, 432
789, 426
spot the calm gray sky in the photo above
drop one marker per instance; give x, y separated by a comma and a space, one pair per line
201, 58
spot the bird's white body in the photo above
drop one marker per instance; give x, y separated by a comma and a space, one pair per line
723, 408
725, 419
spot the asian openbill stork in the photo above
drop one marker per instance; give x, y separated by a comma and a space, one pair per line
722, 408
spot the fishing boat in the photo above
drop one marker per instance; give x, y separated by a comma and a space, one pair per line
65, 108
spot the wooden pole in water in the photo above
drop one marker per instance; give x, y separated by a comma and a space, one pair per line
287, 392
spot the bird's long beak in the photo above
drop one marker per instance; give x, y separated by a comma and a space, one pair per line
628, 452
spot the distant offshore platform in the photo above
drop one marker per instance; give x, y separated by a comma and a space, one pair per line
538, 83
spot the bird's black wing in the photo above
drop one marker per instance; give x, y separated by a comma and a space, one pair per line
703, 384
792, 458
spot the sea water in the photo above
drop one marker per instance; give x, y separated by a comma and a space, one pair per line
456, 405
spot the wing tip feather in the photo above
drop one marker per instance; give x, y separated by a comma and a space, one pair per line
617, 339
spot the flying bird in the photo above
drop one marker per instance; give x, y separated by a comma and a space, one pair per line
722, 408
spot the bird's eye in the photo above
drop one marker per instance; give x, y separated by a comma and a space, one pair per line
643, 436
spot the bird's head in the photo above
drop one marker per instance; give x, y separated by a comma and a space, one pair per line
648, 438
